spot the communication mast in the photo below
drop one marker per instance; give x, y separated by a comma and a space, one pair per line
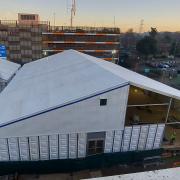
73, 11
141, 26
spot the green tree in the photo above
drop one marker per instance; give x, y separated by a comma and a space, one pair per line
153, 33
148, 45
167, 38
175, 49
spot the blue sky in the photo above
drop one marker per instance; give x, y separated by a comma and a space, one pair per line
163, 14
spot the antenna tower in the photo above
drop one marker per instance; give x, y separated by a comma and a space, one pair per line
73, 11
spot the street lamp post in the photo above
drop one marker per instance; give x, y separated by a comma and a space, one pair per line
45, 53
114, 52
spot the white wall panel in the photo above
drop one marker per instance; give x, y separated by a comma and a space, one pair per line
143, 137
151, 137
109, 141
88, 115
159, 136
24, 148
4, 153
13, 149
53, 146
34, 148
63, 146
134, 138
117, 141
73, 146
82, 141
123, 103
44, 147
126, 139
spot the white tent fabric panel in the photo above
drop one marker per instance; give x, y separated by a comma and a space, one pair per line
159, 136
143, 137
8, 69
136, 79
109, 138
54, 81
13, 149
84, 116
44, 147
134, 138
63, 146
24, 149
82, 139
126, 139
34, 148
151, 137
73, 146
54, 146
123, 105
117, 141
66, 78
4, 152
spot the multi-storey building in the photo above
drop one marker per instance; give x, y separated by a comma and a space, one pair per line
23, 38
100, 42
29, 39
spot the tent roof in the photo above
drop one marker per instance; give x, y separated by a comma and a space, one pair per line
65, 78
7, 69
136, 79
54, 81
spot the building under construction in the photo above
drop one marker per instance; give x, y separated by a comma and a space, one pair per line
99, 42
28, 39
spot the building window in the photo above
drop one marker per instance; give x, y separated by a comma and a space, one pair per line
95, 143
95, 147
103, 102
28, 17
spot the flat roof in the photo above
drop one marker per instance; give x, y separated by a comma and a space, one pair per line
165, 174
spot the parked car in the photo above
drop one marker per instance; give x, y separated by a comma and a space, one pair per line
161, 65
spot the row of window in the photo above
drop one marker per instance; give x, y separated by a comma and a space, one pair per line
18, 38
18, 48
28, 17
3, 33
25, 55
80, 38
83, 46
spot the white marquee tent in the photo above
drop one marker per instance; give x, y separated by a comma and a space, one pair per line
52, 104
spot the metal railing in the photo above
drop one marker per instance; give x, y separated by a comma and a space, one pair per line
15, 23
81, 29
76, 29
